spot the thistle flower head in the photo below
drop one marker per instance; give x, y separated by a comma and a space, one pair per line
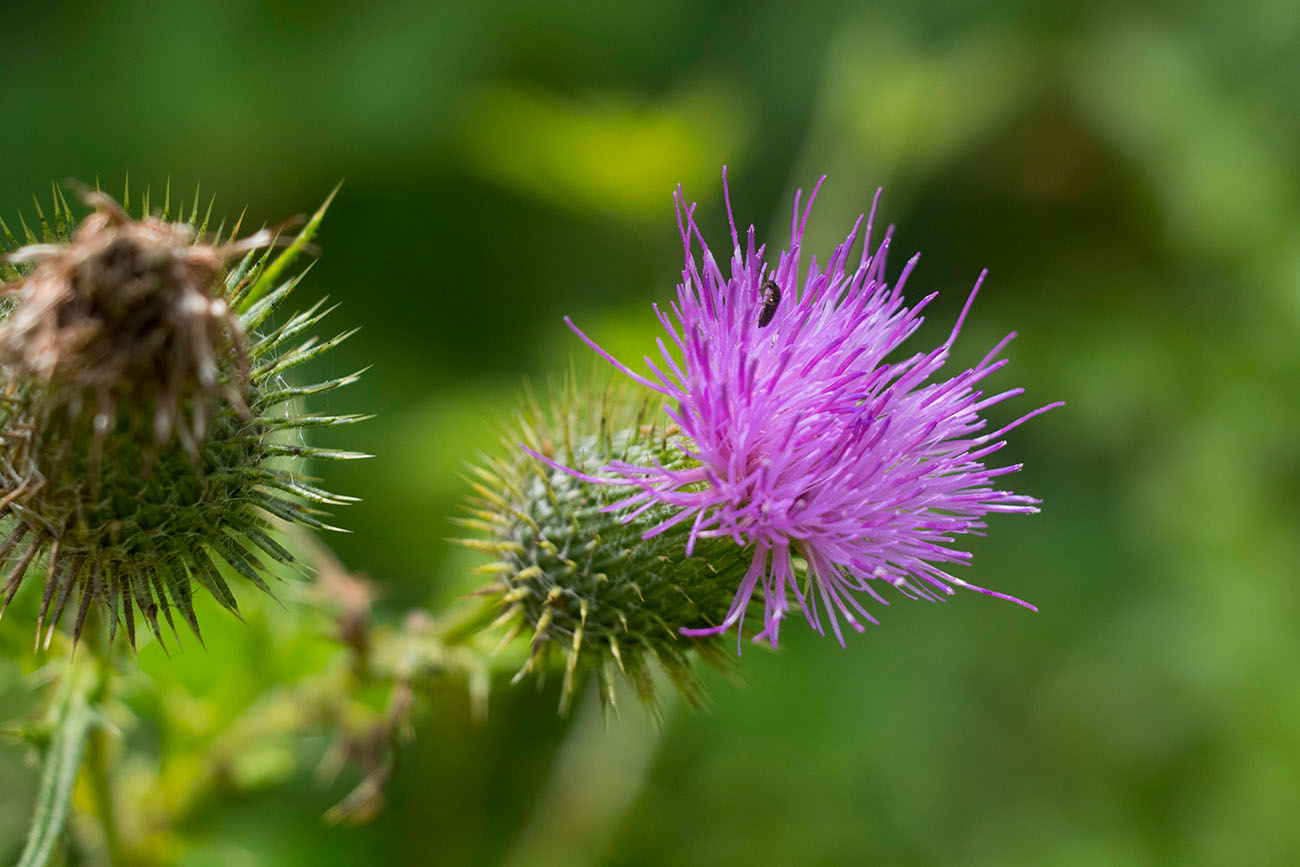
144, 411
804, 439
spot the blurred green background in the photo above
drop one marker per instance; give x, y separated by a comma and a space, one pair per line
1130, 178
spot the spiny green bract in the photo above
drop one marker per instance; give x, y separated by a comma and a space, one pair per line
145, 420
579, 580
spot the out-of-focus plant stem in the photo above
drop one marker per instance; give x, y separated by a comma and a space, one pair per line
412, 657
418, 654
70, 721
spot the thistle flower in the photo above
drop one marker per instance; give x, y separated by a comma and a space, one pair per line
581, 582
144, 414
804, 441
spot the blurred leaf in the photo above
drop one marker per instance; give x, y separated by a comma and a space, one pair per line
610, 152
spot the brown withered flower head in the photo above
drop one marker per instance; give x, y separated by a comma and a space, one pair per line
148, 433
130, 309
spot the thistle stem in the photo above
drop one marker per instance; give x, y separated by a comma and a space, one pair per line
71, 720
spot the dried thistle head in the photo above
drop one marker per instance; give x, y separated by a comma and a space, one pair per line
130, 309
144, 412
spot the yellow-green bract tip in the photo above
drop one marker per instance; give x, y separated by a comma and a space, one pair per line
266, 280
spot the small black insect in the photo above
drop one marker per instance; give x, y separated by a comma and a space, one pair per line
771, 298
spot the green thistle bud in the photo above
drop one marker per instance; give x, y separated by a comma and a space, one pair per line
581, 581
145, 420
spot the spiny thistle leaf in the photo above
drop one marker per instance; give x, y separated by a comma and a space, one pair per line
144, 419
581, 582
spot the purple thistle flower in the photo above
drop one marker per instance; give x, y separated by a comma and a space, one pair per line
810, 442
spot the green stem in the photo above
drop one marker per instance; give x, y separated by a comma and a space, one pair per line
71, 720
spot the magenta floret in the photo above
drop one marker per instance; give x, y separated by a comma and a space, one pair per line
811, 443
